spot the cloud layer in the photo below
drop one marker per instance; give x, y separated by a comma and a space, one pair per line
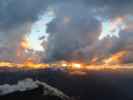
73, 33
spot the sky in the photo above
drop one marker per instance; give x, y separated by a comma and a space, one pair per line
65, 29
38, 30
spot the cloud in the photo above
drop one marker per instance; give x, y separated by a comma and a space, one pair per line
16, 19
73, 33
17, 12
75, 30
110, 8
72, 29
124, 43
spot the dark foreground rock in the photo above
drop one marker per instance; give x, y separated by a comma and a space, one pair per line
34, 90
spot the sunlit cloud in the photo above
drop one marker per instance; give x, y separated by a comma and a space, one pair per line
112, 28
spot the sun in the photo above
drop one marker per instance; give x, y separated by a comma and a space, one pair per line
76, 65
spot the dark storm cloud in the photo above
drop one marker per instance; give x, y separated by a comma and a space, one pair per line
73, 33
111, 8
17, 12
124, 43
75, 30
72, 29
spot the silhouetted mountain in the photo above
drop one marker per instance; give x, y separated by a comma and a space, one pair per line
30, 89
